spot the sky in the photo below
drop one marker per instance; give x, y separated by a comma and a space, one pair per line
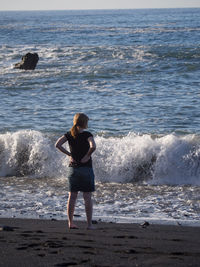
94, 4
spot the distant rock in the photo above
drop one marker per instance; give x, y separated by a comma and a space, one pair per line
29, 62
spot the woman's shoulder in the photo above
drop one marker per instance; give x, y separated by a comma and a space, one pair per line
87, 134
68, 135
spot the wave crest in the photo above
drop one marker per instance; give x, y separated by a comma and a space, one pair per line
28, 153
134, 158
168, 159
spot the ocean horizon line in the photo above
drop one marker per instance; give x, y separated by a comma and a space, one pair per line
98, 9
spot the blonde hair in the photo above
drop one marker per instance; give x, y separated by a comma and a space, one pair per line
81, 120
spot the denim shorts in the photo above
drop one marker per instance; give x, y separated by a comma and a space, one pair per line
81, 179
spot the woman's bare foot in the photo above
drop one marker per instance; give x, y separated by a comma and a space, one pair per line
73, 226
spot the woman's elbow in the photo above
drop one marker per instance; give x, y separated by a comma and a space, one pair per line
93, 148
57, 145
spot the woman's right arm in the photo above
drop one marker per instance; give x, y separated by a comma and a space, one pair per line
59, 146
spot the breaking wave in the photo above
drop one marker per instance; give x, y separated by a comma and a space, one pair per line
167, 159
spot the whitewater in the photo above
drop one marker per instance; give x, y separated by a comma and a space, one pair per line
138, 177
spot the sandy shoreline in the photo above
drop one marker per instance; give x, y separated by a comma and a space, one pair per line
50, 243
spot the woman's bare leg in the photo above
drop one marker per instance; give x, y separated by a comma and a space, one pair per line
71, 207
88, 208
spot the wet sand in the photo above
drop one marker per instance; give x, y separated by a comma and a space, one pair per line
28, 242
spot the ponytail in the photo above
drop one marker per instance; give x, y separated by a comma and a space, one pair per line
74, 131
81, 120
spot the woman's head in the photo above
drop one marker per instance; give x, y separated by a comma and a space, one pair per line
80, 121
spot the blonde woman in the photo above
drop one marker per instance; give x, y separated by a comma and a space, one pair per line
81, 175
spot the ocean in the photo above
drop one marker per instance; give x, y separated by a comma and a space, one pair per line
136, 74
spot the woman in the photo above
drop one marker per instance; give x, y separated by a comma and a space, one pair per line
81, 175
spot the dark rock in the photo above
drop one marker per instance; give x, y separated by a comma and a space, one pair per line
29, 62
145, 224
7, 228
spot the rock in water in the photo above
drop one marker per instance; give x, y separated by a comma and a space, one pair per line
29, 62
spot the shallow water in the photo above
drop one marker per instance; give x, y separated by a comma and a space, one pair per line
46, 198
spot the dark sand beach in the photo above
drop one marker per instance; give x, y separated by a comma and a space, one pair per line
28, 242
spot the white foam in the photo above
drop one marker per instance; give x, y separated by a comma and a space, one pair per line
169, 159
30, 153
120, 159
177, 161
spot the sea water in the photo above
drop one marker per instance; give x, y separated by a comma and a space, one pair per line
136, 74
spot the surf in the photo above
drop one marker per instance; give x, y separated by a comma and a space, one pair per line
133, 158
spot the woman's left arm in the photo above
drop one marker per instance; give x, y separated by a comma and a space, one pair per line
59, 146
92, 148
